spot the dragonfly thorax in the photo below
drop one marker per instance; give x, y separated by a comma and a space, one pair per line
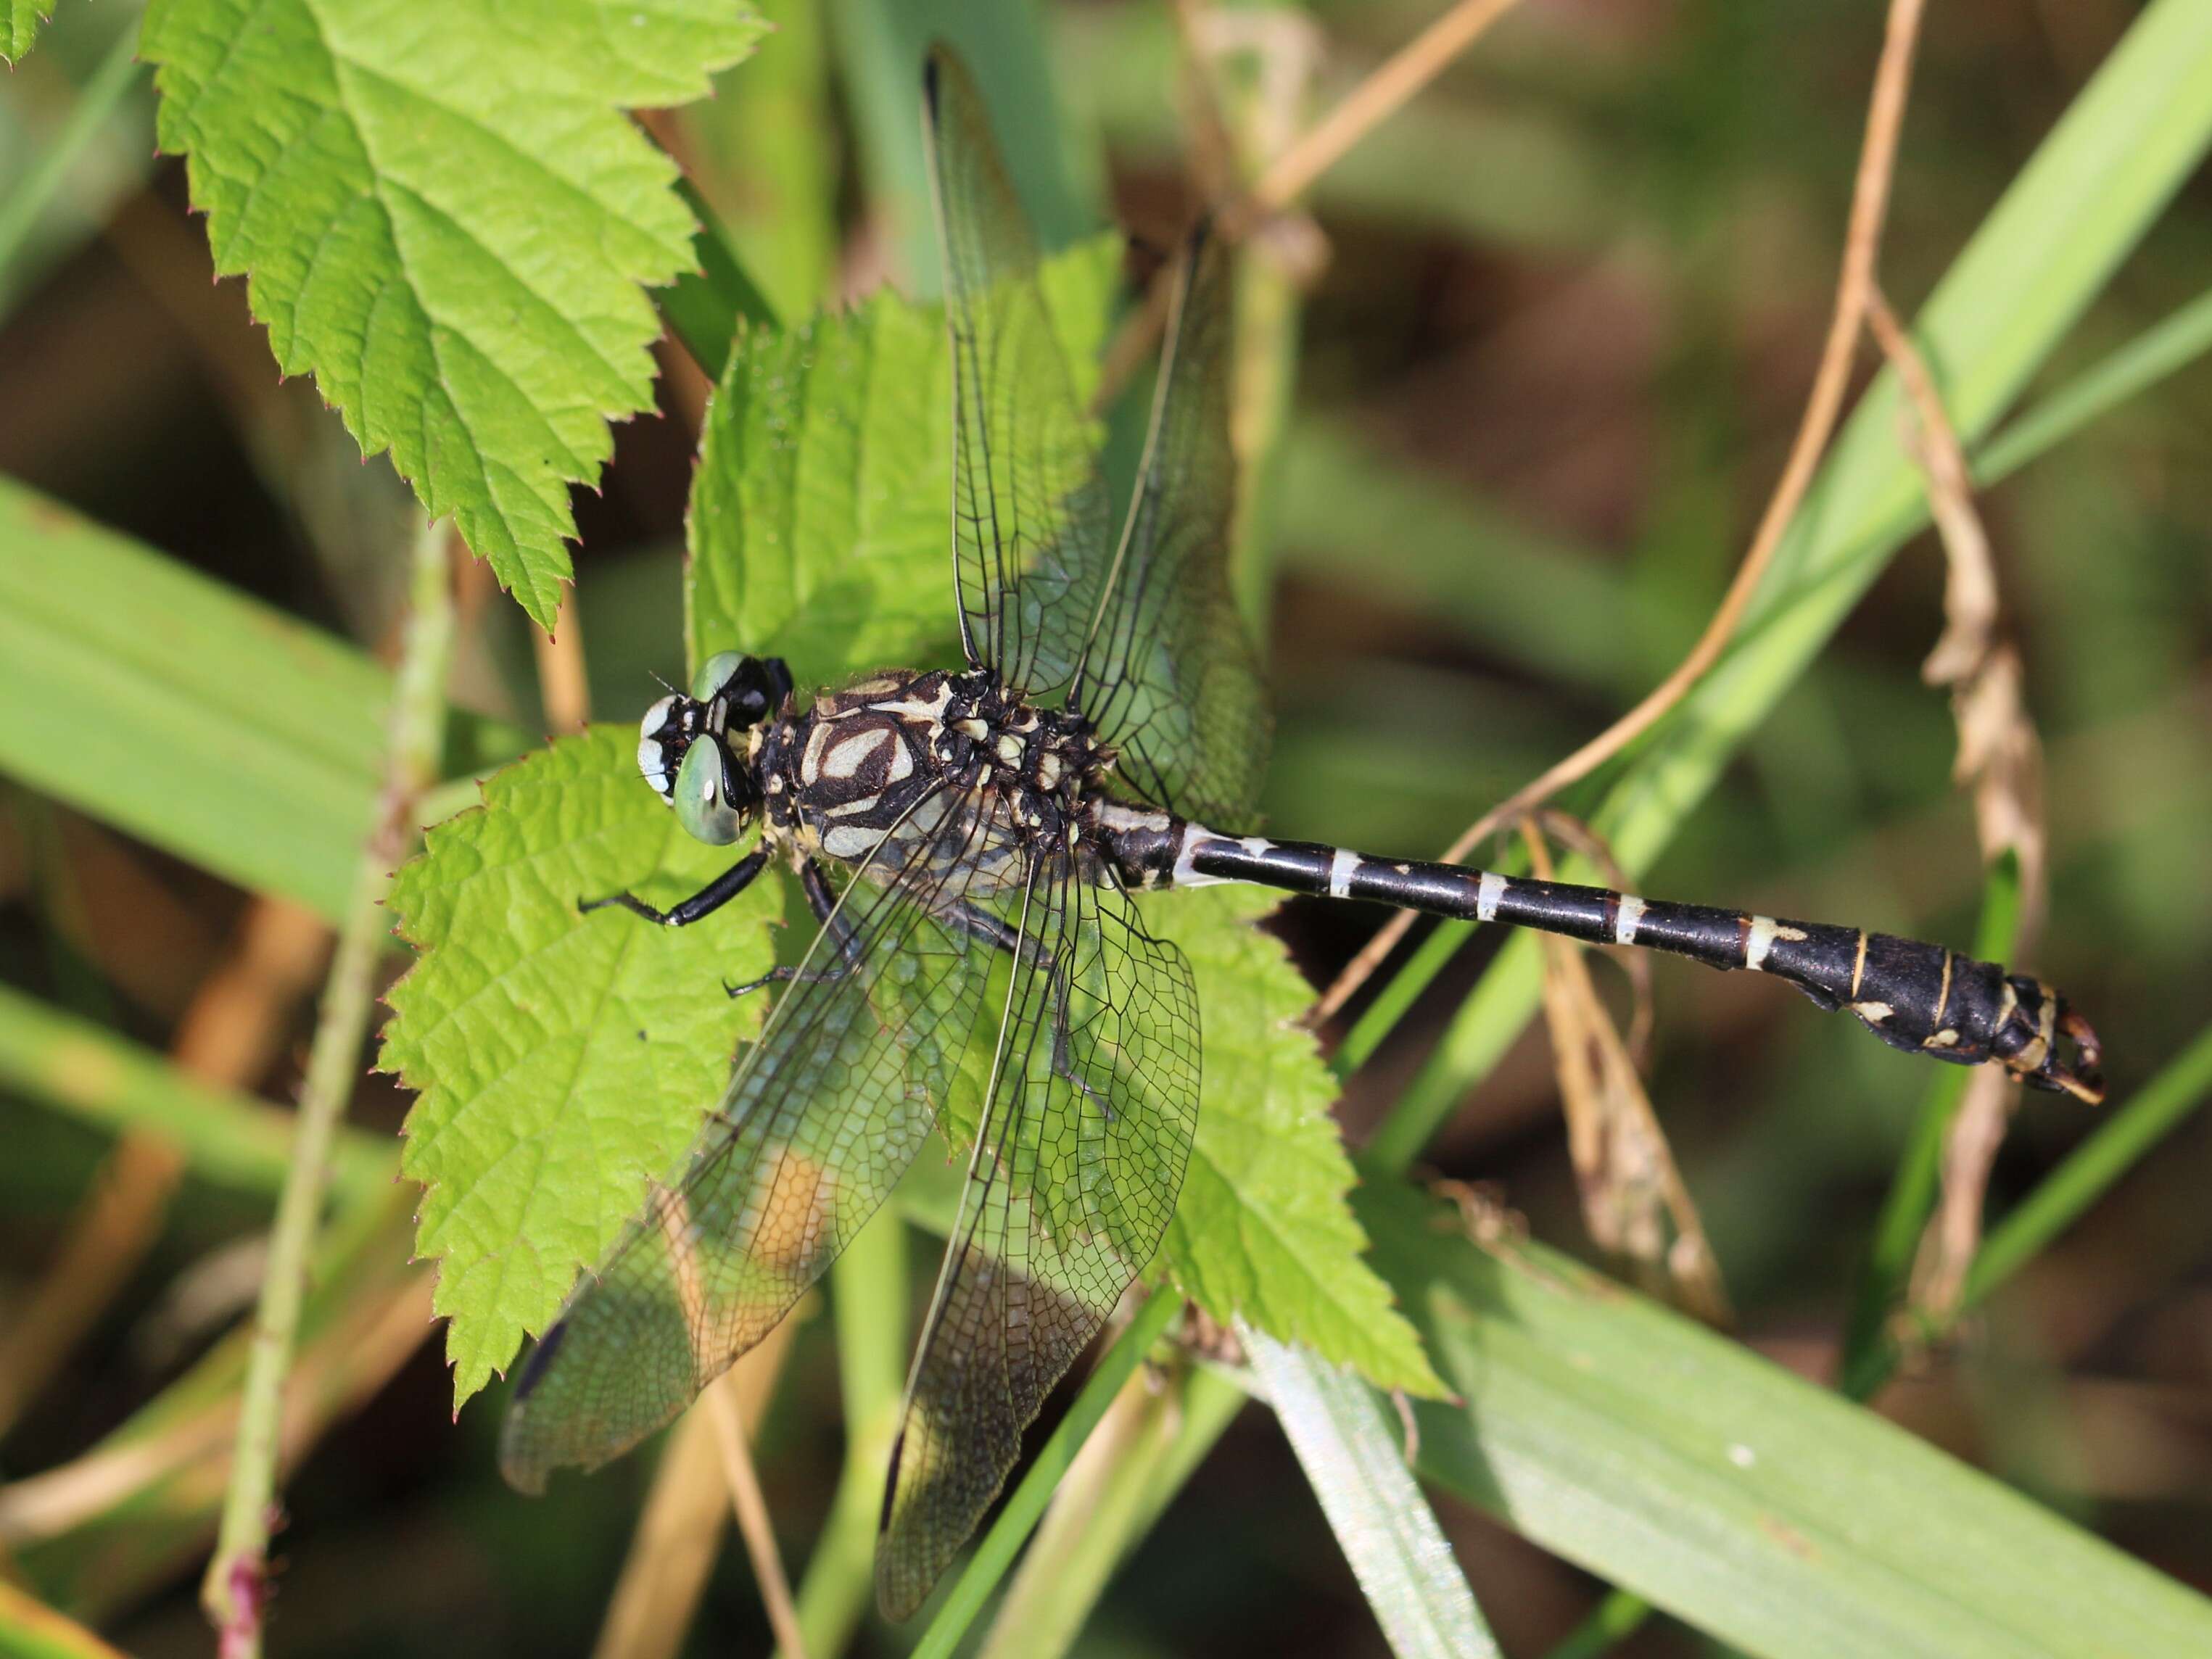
886, 758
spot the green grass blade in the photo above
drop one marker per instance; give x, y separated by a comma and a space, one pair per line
1351, 1450
2141, 363
37, 188
109, 1081
203, 722
1761, 1508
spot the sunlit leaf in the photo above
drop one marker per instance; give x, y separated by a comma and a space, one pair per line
444, 216
822, 511
562, 1059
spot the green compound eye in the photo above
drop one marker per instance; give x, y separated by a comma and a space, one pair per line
714, 673
701, 801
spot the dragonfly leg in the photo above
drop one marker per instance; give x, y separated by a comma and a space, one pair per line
979, 923
824, 903
704, 903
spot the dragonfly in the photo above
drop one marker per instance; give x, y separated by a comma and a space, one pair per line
973, 841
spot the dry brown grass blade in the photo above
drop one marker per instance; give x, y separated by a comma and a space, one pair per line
1373, 101
680, 1530
562, 683
2000, 759
1854, 289
1634, 1201
751, 1507
190, 1458
107, 1236
2000, 753
1953, 1235
1571, 832
726, 1404
1289, 49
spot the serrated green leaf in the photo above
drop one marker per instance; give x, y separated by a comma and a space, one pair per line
444, 216
21, 27
562, 1059
821, 512
1263, 1231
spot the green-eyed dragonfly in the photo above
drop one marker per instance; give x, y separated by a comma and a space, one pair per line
1109, 709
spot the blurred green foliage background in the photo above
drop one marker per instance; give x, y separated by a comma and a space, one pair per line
1543, 383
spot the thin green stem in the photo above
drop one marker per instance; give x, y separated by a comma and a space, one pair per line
1912, 1190
1396, 998
996, 1553
1489, 1020
100, 1077
235, 1587
96, 101
1090, 1529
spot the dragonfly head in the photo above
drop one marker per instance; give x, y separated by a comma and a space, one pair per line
692, 749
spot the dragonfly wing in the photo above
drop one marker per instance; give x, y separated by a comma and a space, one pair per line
1030, 519
1079, 1156
822, 1116
1169, 675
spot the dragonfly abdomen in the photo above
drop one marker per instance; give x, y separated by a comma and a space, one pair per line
1921, 998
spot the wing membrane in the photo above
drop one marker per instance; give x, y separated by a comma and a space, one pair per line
1169, 675
1030, 513
822, 1116
1079, 1159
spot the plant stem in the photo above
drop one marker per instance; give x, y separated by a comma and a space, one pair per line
996, 1553
1088, 1525
235, 1587
2155, 1111
96, 101
751, 1507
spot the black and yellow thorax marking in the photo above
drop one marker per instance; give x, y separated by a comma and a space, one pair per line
889, 757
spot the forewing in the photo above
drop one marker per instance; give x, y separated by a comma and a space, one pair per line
1031, 521
1070, 1188
822, 1116
1170, 676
